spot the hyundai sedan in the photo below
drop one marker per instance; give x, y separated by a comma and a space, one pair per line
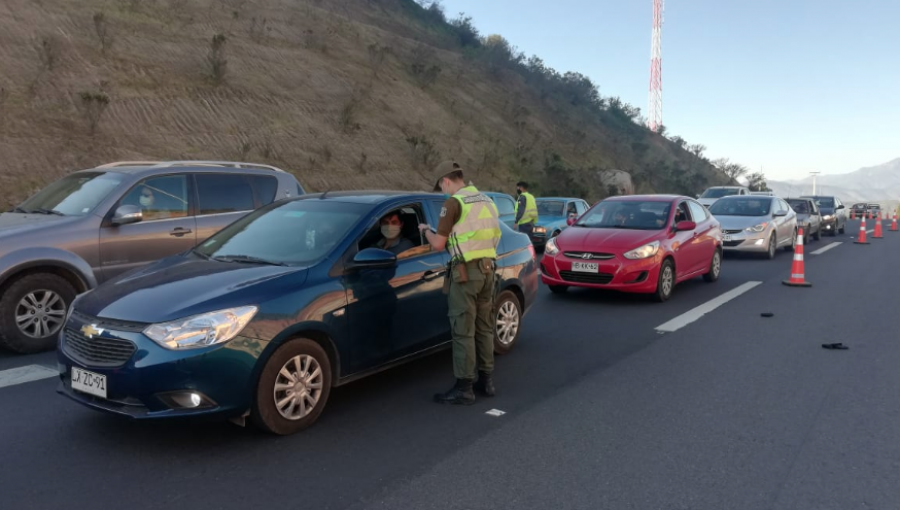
262, 319
756, 224
636, 243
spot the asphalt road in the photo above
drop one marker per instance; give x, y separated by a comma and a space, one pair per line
602, 410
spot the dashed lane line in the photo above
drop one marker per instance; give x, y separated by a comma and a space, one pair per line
698, 312
826, 248
28, 373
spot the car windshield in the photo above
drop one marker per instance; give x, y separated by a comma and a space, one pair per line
634, 215
799, 206
748, 206
550, 208
299, 232
719, 192
824, 202
73, 195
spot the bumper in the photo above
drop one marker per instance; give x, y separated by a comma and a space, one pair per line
746, 242
143, 387
637, 276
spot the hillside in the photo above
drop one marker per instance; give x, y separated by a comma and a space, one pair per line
344, 93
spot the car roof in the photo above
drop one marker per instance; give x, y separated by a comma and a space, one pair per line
145, 168
646, 198
368, 196
556, 198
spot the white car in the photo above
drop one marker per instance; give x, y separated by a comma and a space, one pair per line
709, 197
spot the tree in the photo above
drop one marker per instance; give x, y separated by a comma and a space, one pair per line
757, 182
697, 149
731, 169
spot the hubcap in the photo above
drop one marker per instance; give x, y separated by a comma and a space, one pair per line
40, 313
717, 264
507, 322
771, 245
298, 387
667, 280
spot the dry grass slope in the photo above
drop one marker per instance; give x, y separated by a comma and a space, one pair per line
344, 93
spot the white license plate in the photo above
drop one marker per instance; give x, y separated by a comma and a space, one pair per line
726, 238
89, 382
585, 267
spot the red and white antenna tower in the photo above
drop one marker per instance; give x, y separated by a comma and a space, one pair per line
659, 7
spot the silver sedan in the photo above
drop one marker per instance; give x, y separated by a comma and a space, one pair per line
756, 224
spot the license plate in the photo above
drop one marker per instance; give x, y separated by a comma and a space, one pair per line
726, 238
89, 382
585, 267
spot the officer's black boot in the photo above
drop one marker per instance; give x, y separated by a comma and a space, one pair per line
460, 394
484, 385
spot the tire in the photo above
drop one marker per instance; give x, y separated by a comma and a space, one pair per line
818, 236
34, 294
558, 289
790, 247
297, 356
773, 247
507, 322
842, 228
715, 267
665, 288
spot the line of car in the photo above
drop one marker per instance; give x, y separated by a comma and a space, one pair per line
277, 295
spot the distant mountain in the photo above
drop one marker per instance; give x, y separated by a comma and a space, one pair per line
874, 184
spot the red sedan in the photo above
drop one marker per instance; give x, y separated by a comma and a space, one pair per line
635, 243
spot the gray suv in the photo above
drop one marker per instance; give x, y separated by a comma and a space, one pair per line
92, 225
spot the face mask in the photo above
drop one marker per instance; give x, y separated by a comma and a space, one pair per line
390, 231
146, 201
518, 192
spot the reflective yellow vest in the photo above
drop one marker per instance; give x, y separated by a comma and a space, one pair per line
477, 233
530, 215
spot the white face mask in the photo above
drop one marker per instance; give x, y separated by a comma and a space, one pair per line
390, 231
146, 201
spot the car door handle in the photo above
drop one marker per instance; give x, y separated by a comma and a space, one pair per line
180, 231
434, 273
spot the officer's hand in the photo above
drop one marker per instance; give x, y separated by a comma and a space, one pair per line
423, 227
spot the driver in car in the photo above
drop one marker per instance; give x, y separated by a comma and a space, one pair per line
391, 227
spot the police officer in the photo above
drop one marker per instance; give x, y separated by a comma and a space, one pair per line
470, 230
526, 209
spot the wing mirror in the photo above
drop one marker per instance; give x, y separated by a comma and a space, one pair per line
374, 258
127, 214
685, 225
780, 213
840, 206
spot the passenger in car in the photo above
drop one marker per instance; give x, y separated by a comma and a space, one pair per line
391, 228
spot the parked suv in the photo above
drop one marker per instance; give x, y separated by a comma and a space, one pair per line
834, 213
92, 225
808, 217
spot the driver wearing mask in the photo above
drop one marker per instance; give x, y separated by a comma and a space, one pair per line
391, 226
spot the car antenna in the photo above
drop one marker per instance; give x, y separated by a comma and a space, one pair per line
322, 197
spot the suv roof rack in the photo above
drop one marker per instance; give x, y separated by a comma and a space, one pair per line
230, 164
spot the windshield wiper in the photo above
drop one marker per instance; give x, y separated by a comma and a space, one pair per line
201, 255
247, 259
19, 210
48, 211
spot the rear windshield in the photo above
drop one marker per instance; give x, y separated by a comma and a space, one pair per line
800, 206
824, 201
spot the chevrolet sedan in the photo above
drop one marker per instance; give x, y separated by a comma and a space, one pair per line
637, 243
262, 319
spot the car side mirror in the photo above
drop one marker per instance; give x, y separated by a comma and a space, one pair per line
127, 214
840, 206
685, 225
374, 258
780, 213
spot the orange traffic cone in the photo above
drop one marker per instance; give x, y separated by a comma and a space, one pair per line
894, 223
861, 239
878, 234
797, 277
852, 214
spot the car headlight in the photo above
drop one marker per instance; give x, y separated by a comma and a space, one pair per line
648, 250
201, 330
757, 228
540, 230
550, 248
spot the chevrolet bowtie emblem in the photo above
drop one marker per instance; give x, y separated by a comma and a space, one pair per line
91, 330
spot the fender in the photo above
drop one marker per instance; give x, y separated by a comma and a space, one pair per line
17, 261
319, 331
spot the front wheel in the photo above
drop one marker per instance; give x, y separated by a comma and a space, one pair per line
793, 244
665, 284
32, 312
818, 235
293, 388
507, 322
715, 267
770, 253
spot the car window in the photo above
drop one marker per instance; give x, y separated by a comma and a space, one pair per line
264, 187
551, 208
505, 205
799, 206
161, 197
698, 212
223, 193
570, 209
627, 214
682, 213
580, 207
75, 194
409, 242
783, 205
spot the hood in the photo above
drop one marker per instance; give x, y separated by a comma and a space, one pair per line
740, 222
13, 224
604, 239
825, 211
182, 286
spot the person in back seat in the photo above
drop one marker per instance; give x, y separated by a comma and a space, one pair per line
391, 228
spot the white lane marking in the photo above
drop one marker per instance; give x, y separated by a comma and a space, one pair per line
870, 231
29, 373
692, 315
496, 412
826, 248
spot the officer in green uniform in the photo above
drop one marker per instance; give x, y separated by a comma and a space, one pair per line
470, 230
526, 209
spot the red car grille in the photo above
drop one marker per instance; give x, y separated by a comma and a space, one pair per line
595, 278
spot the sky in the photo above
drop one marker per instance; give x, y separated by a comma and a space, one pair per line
783, 86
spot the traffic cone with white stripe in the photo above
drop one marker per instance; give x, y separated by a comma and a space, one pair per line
894, 223
797, 277
852, 214
861, 239
878, 233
